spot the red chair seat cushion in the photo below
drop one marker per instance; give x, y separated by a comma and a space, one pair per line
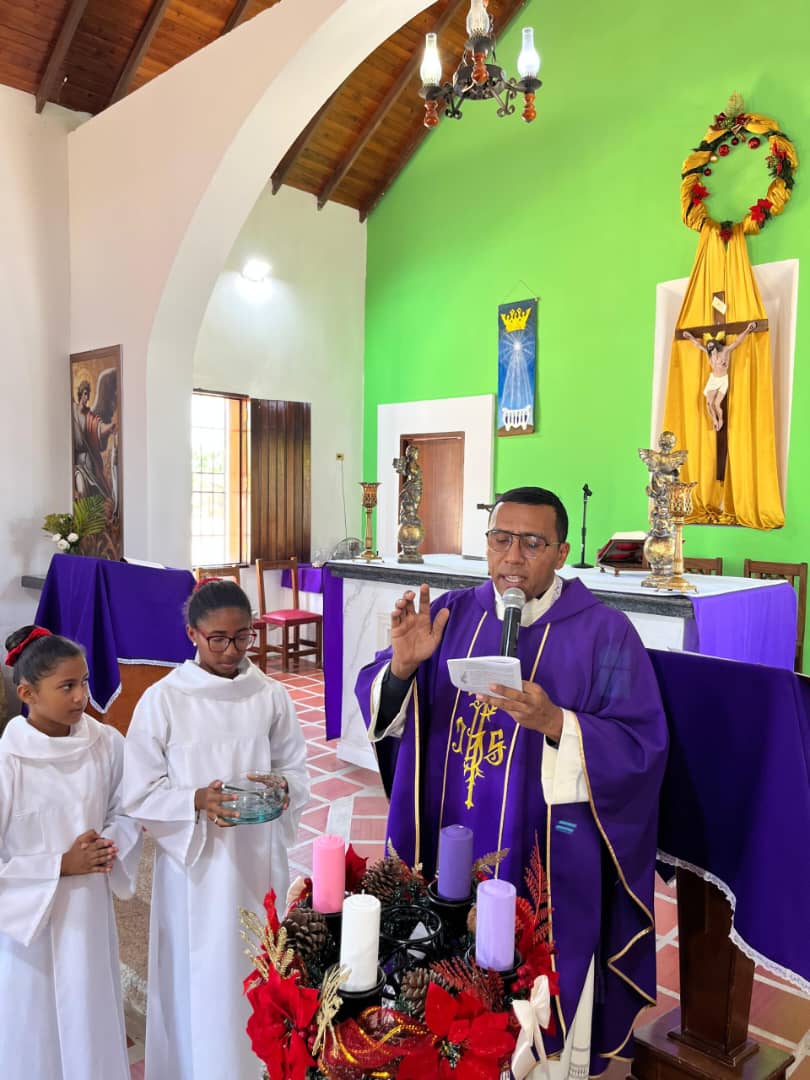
290, 617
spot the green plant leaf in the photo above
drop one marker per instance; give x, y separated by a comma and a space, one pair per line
89, 515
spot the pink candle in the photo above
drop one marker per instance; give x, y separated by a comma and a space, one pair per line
495, 925
328, 874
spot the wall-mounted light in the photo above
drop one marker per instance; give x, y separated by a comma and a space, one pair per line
256, 270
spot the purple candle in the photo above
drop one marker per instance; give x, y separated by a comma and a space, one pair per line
495, 925
455, 862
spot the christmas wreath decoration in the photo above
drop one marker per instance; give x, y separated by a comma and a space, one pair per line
731, 128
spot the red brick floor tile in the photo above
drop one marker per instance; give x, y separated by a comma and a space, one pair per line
366, 777
368, 829
365, 805
802, 1070
780, 1012
667, 974
327, 762
316, 818
334, 787
666, 915
301, 853
136, 1070
369, 851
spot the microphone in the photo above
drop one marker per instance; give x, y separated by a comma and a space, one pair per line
513, 601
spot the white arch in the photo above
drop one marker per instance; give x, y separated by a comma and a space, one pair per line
160, 186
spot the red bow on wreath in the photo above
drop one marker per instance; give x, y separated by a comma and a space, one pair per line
760, 210
699, 192
470, 1043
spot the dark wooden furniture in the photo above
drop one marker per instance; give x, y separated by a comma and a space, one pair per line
289, 620
796, 574
703, 566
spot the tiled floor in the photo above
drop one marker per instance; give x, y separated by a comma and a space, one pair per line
343, 793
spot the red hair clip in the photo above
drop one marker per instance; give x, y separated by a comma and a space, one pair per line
14, 654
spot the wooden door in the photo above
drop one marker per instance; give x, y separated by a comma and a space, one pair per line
441, 455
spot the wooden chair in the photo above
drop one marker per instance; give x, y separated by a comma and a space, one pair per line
287, 620
791, 572
703, 566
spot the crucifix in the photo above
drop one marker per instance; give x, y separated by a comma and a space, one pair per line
719, 325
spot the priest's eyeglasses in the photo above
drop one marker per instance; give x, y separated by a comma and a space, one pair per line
530, 545
219, 643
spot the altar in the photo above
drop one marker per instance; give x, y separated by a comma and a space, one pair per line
732, 618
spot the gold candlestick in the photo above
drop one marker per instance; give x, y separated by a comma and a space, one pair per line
369, 502
680, 507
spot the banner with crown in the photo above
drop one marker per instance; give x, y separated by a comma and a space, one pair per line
517, 361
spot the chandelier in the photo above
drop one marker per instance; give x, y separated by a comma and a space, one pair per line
475, 79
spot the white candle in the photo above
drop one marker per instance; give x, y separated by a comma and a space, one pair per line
360, 941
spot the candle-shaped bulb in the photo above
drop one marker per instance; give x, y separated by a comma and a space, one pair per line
360, 941
529, 60
478, 21
431, 70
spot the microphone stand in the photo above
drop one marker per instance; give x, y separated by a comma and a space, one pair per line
582, 565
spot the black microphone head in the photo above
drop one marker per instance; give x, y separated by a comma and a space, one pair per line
514, 598
586, 491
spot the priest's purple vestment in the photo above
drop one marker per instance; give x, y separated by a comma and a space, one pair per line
462, 762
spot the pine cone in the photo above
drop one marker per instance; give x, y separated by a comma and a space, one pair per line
471, 920
307, 932
383, 879
413, 992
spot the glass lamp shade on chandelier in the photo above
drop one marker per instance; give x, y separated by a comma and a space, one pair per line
474, 78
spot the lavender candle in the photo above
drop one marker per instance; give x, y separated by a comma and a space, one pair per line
328, 874
495, 925
455, 862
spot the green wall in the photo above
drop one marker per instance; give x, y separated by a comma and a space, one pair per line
582, 208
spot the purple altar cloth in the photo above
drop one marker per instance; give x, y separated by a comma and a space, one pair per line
310, 578
757, 626
117, 612
332, 652
735, 804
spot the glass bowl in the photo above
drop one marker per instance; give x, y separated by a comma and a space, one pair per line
255, 801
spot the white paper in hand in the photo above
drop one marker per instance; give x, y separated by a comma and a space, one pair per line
476, 674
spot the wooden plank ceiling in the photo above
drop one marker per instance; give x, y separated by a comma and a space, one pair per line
87, 54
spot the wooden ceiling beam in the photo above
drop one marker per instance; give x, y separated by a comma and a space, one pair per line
412, 147
139, 49
235, 17
376, 120
53, 69
287, 162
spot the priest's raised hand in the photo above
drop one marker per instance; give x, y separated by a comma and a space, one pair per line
414, 637
531, 707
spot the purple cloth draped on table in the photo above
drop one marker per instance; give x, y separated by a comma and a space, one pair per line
757, 626
736, 797
117, 612
310, 578
332, 652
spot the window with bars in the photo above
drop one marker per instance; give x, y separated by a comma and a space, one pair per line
251, 466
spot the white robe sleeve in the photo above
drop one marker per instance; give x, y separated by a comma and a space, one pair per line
148, 795
397, 726
562, 774
288, 756
126, 833
28, 883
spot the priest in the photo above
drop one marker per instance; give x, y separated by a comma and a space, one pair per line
574, 758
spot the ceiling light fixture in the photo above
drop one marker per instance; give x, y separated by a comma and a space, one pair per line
474, 79
256, 270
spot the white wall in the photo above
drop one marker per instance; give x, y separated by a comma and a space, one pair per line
299, 337
34, 313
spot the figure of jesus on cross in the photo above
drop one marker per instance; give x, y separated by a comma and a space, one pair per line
718, 352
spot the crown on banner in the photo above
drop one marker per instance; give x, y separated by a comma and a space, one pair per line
516, 319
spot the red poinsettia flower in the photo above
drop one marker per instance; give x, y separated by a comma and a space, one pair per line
279, 1028
272, 914
699, 192
355, 868
471, 1043
760, 209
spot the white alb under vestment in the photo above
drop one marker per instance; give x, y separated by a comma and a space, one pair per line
190, 729
60, 981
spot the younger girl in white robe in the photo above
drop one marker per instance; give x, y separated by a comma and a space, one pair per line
216, 717
65, 846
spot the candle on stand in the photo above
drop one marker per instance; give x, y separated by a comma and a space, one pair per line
328, 874
495, 925
455, 862
360, 941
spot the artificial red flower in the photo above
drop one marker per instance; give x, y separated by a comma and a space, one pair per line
699, 192
279, 1027
760, 209
355, 868
470, 1043
272, 914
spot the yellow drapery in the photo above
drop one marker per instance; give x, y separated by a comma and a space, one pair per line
749, 495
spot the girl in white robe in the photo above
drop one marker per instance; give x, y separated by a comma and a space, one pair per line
65, 846
216, 717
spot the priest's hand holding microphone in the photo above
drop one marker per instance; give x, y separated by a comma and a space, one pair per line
414, 638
